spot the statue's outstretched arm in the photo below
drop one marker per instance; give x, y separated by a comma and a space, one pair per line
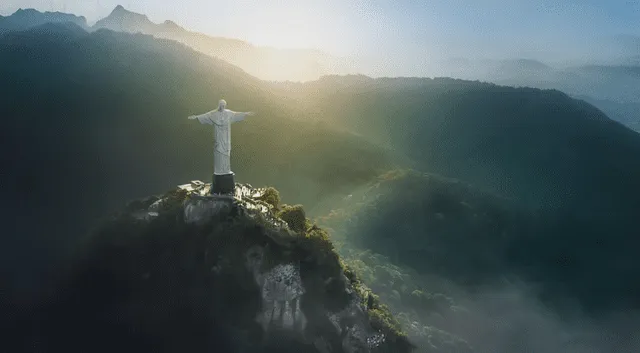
203, 118
237, 116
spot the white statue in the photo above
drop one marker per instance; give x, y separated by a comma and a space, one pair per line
222, 119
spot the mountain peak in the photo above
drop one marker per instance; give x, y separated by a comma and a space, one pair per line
118, 9
121, 11
170, 25
124, 20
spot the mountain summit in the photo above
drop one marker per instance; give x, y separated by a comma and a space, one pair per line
187, 272
123, 20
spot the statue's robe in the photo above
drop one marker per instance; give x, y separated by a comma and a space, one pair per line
221, 120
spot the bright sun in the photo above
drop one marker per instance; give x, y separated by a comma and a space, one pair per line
315, 25
286, 27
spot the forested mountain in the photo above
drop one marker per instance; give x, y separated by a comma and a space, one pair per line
460, 266
183, 272
541, 147
552, 156
421, 220
92, 120
618, 81
611, 87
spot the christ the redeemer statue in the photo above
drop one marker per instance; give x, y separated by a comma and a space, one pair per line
222, 119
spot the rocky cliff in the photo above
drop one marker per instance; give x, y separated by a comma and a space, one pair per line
188, 272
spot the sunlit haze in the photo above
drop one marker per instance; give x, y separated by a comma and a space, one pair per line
400, 37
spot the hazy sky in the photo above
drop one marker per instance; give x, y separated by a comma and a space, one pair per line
402, 34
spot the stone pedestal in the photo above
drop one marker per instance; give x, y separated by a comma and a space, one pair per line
223, 184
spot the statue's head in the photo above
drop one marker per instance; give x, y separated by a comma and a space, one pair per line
222, 105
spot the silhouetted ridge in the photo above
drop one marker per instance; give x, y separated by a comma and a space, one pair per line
28, 18
121, 19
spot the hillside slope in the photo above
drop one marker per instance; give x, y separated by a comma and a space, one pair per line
444, 228
542, 148
626, 113
447, 257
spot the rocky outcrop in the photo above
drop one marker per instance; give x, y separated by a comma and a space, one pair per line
190, 272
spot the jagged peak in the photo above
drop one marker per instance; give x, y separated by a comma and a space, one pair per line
22, 11
119, 11
168, 24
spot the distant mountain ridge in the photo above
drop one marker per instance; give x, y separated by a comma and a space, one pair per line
512, 141
28, 18
603, 84
126, 21
263, 62
619, 81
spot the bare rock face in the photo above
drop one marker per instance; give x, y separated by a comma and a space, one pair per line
201, 210
191, 272
281, 292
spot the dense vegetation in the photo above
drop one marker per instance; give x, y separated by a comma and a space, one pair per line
541, 147
462, 268
166, 285
443, 227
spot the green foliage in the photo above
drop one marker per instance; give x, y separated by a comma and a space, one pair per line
138, 265
411, 304
319, 238
483, 134
446, 228
381, 317
317, 242
271, 196
294, 216
383, 320
420, 219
